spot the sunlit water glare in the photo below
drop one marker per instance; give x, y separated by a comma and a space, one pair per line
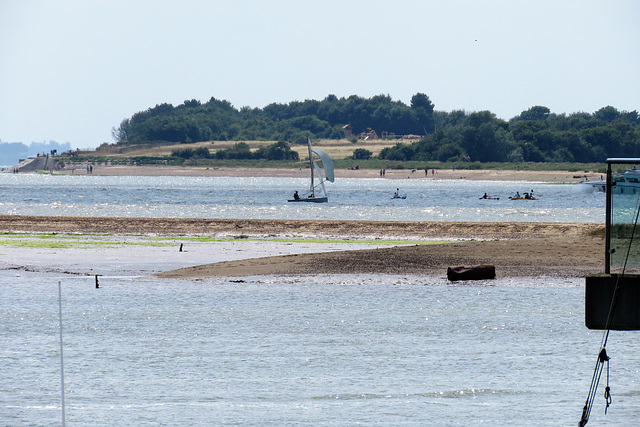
266, 198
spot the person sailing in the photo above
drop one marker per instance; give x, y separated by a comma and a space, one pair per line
296, 196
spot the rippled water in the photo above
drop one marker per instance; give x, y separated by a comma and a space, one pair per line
324, 350
349, 199
332, 350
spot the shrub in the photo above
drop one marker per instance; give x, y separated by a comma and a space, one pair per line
361, 154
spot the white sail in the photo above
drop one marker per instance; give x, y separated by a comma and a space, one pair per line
327, 164
319, 196
321, 183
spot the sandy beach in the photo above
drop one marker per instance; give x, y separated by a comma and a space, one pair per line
478, 175
516, 249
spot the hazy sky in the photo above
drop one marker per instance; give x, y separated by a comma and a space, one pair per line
70, 70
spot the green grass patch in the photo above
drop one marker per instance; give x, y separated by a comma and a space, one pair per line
39, 244
87, 241
69, 242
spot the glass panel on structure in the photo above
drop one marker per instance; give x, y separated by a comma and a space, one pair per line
624, 230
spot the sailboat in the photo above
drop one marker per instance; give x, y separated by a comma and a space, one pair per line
317, 192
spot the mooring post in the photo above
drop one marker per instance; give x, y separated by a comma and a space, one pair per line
61, 352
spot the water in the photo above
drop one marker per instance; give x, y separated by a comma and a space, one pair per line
266, 198
333, 350
323, 350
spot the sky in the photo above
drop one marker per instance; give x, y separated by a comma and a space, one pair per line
71, 70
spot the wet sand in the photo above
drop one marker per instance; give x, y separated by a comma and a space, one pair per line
516, 249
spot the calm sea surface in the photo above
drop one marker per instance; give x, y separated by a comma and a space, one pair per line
349, 199
329, 350
323, 350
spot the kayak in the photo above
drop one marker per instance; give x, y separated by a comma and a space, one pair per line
523, 198
399, 197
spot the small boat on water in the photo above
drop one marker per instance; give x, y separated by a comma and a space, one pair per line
397, 195
621, 183
317, 191
627, 182
485, 196
525, 196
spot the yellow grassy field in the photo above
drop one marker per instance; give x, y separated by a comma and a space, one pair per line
337, 149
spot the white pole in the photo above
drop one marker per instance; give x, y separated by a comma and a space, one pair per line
61, 351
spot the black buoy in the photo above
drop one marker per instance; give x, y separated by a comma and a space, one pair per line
180, 247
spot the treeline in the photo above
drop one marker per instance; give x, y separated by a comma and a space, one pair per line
240, 151
536, 135
218, 120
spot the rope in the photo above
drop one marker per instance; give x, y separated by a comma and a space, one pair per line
602, 356
586, 411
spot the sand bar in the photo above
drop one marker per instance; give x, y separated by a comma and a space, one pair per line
516, 249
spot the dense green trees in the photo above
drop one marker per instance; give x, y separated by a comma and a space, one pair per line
536, 135
293, 122
278, 151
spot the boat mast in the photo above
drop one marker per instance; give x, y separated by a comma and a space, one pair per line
312, 189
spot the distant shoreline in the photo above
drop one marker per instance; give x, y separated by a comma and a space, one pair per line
435, 174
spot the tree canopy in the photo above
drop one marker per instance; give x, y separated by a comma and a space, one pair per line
535, 135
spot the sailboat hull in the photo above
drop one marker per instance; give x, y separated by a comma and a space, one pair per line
311, 199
